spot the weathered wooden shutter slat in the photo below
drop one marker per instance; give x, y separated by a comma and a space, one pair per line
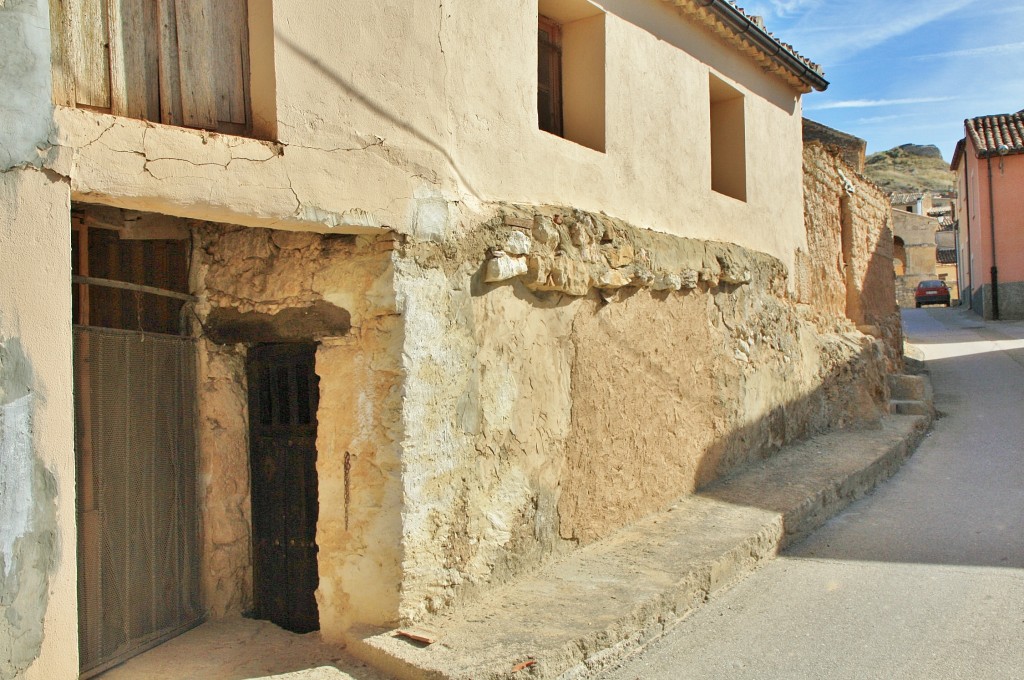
170, 76
230, 57
63, 53
135, 82
91, 62
196, 63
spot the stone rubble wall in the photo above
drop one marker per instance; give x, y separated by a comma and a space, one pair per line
567, 373
846, 273
258, 277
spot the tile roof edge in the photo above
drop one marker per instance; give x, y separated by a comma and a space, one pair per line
743, 29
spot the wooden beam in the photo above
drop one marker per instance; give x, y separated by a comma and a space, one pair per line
134, 287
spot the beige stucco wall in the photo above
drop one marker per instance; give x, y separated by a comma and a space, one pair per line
451, 116
38, 600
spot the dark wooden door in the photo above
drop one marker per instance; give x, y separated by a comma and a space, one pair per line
283, 397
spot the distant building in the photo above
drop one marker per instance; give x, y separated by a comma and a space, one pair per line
914, 252
925, 241
989, 162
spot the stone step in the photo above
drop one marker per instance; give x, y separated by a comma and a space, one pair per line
910, 407
585, 612
910, 387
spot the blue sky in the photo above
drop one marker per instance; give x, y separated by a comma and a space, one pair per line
905, 71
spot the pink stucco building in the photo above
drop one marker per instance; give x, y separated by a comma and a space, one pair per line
989, 163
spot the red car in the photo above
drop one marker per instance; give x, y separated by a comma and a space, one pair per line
932, 292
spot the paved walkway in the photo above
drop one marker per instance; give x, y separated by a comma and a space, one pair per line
923, 579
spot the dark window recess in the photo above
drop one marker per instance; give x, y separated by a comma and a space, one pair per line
549, 77
101, 254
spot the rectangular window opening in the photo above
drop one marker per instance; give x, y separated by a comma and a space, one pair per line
571, 71
728, 140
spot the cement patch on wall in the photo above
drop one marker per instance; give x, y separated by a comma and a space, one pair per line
28, 524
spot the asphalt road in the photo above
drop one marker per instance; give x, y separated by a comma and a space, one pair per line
922, 579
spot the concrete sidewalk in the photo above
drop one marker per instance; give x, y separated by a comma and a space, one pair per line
585, 612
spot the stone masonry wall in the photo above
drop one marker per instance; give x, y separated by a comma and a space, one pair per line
567, 373
259, 285
846, 273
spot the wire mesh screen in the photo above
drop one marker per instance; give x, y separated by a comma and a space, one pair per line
137, 506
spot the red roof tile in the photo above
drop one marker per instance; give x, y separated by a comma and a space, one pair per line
990, 132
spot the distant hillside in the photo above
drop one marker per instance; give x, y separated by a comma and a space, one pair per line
910, 168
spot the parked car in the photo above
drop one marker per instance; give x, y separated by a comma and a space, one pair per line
932, 292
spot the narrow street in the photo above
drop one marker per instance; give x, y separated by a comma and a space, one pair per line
922, 579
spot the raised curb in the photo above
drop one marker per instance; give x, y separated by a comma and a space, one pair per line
587, 611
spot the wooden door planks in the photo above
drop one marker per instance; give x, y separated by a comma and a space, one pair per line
62, 50
170, 75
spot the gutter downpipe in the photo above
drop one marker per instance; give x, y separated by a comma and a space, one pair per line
967, 214
744, 26
992, 226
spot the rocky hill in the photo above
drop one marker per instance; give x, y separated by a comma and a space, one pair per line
910, 168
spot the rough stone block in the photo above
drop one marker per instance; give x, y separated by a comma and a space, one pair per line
518, 243
502, 268
621, 255
666, 281
544, 232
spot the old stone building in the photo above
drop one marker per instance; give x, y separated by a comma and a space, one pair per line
349, 312
914, 252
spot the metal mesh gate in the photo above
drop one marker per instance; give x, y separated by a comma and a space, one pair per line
137, 508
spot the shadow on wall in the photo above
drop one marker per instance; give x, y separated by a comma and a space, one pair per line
657, 414
851, 393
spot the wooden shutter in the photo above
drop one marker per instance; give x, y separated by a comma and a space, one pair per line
179, 62
134, 46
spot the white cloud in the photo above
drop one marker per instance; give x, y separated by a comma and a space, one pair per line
872, 120
830, 33
987, 50
873, 103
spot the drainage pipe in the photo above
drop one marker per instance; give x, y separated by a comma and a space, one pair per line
992, 226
